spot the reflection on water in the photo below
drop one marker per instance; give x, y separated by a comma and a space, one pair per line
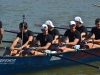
60, 12
67, 70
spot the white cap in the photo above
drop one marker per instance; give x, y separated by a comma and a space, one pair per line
72, 22
44, 26
48, 22
78, 19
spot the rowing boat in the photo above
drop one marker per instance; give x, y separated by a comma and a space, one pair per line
12, 64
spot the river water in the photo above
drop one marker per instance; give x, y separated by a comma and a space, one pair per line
60, 12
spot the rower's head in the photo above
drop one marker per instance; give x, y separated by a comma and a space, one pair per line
97, 23
72, 25
78, 21
23, 25
44, 29
49, 24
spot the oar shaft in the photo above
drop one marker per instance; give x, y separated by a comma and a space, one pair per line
76, 61
11, 31
16, 32
90, 53
10, 42
61, 27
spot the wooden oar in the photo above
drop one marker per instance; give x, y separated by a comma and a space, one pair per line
72, 60
9, 48
61, 27
10, 42
75, 61
16, 32
4, 47
88, 52
12, 31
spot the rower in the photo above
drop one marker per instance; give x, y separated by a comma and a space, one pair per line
45, 40
1, 32
74, 37
54, 32
94, 43
79, 26
27, 39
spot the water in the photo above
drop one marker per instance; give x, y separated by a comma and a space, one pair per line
70, 70
60, 12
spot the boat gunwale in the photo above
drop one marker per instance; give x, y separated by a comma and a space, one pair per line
50, 55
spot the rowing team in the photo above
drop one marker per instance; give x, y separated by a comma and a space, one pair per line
75, 37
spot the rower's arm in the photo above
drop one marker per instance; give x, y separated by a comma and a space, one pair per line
44, 47
34, 42
88, 36
55, 39
62, 39
15, 42
30, 39
56, 34
83, 34
95, 41
74, 42
2, 33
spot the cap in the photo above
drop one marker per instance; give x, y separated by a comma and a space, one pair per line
72, 22
78, 19
44, 26
48, 22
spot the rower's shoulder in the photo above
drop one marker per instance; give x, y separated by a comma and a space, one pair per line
49, 35
83, 26
55, 30
67, 29
77, 32
94, 27
30, 31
